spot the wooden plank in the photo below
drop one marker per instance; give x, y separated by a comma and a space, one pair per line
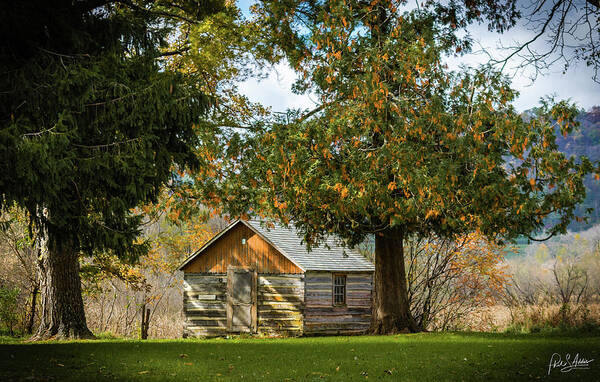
318, 279
282, 289
355, 302
190, 296
208, 323
279, 305
202, 297
281, 332
204, 278
204, 332
359, 277
318, 294
311, 326
294, 282
359, 286
222, 275
352, 294
206, 315
280, 297
276, 330
205, 289
280, 276
318, 303
205, 297
339, 319
254, 310
333, 311
280, 314
196, 305
280, 323
201, 327
229, 299
336, 332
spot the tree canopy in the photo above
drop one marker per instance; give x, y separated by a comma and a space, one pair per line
398, 139
91, 125
398, 144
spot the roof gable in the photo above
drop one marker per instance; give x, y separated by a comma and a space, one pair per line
289, 244
232, 229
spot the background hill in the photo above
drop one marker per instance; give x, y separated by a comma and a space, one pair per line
586, 141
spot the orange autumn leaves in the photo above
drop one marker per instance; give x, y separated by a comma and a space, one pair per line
479, 266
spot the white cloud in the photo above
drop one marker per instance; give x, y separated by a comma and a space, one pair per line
276, 90
576, 83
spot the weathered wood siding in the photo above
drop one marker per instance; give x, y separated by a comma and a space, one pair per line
204, 304
322, 317
280, 303
228, 250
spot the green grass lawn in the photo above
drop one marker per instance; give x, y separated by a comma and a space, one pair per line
412, 357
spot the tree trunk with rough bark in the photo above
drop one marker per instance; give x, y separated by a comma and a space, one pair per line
391, 311
62, 315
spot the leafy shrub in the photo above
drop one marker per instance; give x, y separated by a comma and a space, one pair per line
9, 305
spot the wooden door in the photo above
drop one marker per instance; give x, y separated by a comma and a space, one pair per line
241, 300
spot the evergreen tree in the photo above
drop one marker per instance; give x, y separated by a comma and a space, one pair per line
398, 146
91, 124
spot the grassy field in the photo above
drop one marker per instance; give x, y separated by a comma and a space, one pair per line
413, 357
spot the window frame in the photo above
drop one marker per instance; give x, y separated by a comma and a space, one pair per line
333, 291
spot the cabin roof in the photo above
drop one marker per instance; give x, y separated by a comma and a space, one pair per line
289, 242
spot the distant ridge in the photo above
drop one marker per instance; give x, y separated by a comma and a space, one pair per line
585, 141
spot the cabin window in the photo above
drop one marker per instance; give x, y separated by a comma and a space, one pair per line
339, 289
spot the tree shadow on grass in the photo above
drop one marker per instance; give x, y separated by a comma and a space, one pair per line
418, 357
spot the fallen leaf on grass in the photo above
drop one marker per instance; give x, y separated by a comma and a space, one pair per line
60, 364
188, 364
183, 356
337, 368
143, 372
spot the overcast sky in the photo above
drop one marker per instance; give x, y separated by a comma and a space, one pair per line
576, 84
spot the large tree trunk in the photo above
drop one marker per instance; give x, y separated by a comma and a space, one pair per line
391, 310
62, 314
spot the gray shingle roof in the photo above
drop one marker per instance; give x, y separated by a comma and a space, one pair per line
320, 258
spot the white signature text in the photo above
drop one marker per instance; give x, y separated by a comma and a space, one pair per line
568, 363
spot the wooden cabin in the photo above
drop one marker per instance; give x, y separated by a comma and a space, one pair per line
258, 277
